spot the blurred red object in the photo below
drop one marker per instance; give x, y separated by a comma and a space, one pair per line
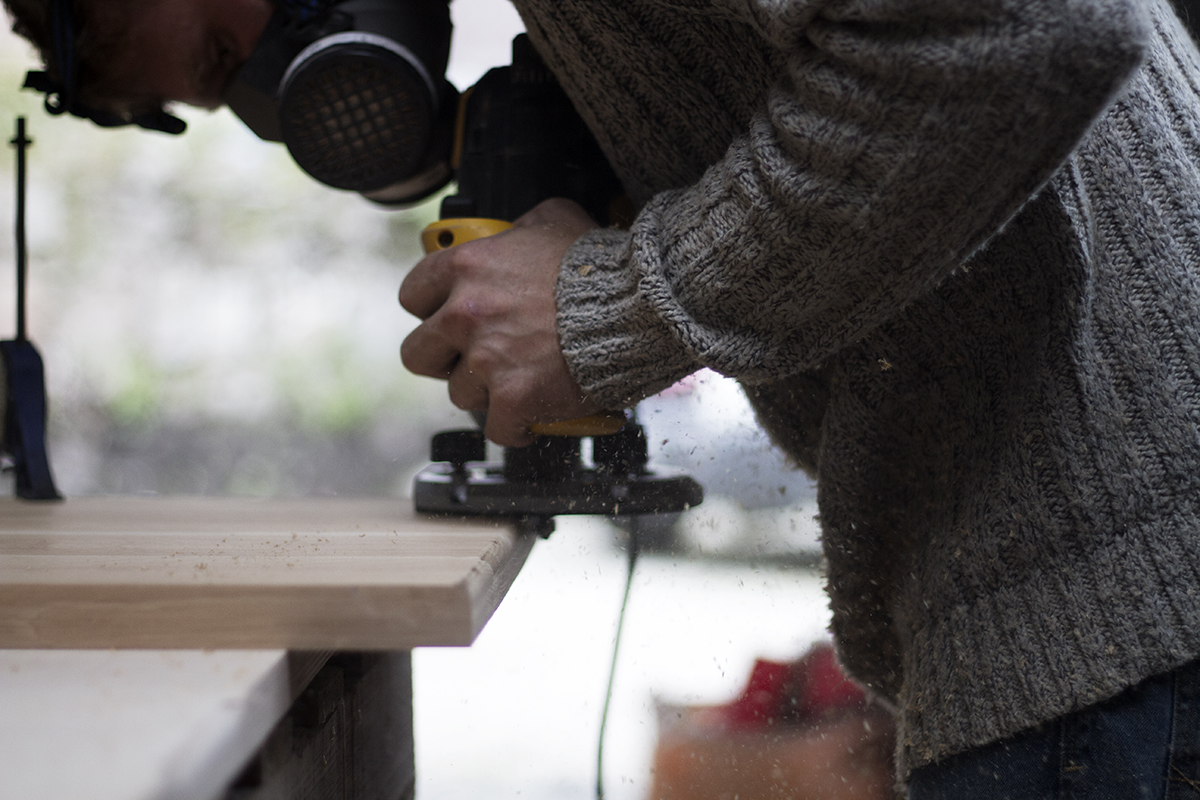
799, 730
811, 687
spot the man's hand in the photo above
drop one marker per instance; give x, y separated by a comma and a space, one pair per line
490, 323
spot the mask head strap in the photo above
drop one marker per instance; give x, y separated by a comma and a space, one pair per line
60, 94
305, 10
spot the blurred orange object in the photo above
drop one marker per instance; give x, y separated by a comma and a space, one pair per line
800, 731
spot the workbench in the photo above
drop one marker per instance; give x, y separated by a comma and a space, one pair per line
219, 647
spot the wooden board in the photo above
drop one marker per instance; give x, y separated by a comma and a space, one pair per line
199, 573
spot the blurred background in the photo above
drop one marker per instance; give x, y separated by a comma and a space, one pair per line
215, 322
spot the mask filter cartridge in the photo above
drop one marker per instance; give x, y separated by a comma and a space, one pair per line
358, 96
355, 111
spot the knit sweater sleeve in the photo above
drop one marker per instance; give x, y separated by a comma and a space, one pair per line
900, 137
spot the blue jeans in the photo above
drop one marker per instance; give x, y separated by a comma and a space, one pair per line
1143, 743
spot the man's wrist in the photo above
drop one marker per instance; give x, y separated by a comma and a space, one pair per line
616, 345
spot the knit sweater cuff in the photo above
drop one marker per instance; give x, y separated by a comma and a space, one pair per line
617, 348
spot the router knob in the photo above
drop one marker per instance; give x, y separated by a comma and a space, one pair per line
458, 447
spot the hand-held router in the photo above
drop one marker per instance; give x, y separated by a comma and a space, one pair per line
518, 142
24, 406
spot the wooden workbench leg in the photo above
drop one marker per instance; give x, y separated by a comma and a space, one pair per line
348, 736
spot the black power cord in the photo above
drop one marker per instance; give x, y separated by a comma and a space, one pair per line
612, 670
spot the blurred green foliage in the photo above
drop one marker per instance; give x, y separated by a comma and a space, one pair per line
183, 282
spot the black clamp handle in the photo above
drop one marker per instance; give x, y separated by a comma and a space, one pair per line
25, 420
24, 375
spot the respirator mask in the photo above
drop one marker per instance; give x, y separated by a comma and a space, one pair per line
357, 92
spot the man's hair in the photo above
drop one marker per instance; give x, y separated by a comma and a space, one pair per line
101, 39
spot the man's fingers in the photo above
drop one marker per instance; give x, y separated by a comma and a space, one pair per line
490, 326
426, 351
427, 285
468, 389
507, 429
514, 408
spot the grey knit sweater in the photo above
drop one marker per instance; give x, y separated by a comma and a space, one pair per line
951, 249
